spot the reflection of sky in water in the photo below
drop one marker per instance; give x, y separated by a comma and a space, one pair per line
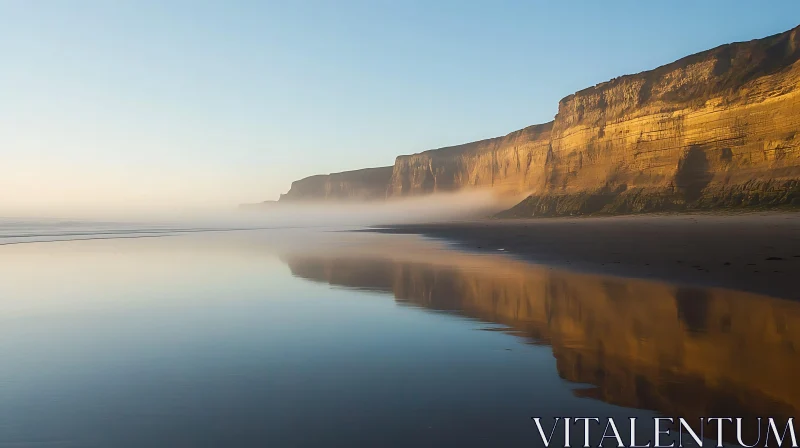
206, 340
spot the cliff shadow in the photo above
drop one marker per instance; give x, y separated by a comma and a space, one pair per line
693, 174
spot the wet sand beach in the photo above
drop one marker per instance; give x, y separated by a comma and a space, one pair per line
757, 252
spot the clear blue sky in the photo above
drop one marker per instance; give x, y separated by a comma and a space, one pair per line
224, 102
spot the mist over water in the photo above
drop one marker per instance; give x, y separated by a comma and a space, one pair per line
108, 223
436, 207
268, 325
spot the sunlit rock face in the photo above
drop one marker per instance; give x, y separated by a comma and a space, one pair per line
510, 164
719, 128
366, 184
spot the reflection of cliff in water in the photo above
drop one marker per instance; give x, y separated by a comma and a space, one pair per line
682, 352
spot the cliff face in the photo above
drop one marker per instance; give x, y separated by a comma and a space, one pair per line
510, 164
719, 128
366, 184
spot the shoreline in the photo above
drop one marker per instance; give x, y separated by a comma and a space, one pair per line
751, 252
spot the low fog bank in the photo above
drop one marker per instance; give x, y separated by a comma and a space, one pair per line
423, 209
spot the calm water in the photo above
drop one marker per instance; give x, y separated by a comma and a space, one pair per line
287, 338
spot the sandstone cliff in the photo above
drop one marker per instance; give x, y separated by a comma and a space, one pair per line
719, 128
510, 164
369, 183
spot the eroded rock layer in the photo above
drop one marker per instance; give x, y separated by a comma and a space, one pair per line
366, 184
719, 128
510, 164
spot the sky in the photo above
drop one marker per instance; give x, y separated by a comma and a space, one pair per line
214, 103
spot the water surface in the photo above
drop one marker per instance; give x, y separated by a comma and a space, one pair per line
292, 337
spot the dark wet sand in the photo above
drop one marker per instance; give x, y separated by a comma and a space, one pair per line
757, 252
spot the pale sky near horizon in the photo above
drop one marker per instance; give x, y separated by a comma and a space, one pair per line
198, 103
